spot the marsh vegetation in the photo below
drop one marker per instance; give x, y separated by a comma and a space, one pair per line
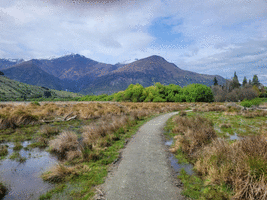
226, 167
83, 137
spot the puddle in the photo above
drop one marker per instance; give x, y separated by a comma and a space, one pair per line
23, 179
174, 162
169, 142
234, 137
177, 167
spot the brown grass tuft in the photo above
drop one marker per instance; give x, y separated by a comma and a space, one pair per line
242, 165
195, 133
64, 142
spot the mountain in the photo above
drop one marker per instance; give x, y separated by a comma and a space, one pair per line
80, 74
14, 90
147, 71
6, 63
29, 72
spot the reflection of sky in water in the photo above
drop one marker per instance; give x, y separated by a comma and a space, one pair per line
23, 179
174, 162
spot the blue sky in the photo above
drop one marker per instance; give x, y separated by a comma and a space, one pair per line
204, 36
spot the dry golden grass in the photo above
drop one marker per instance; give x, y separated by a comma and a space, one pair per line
66, 141
48, 131
195, 132
58, 172
210, 107
242, 164
254, 113
13, 115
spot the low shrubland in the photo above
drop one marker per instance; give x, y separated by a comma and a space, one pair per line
225, 169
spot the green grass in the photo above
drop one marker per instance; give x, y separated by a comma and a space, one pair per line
11, 90
240, 125
196, 188
16, 156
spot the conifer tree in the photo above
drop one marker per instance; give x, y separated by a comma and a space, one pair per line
244, 81
215, 81
235, 82
255, 81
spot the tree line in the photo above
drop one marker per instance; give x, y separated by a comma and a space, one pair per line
232, 90
158, 93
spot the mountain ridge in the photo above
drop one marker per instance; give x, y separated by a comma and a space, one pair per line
80, 74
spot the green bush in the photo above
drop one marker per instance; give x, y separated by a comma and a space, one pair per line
197, 93
249, 103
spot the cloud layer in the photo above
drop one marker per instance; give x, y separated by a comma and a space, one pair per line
213, 37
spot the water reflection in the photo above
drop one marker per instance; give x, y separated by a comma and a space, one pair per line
174, 162
23, 179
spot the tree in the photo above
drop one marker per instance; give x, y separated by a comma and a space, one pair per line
255, 81
235, 82
244, 81
1, 73
215, 81
197, 93
249, 82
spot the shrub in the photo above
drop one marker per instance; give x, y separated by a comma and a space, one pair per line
197, 93
249, 103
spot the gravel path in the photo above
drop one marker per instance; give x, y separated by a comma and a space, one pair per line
143, 171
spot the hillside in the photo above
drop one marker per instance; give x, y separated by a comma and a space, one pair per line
147, 71
80, 74
29, 72
14, 90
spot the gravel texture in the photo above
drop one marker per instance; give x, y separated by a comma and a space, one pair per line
143, 171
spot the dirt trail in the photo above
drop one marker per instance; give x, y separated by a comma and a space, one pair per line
143, 171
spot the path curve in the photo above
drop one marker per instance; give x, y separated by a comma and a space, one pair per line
144, 172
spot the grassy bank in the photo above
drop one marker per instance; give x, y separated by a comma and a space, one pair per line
225, 169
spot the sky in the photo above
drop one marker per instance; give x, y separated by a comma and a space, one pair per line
205, 36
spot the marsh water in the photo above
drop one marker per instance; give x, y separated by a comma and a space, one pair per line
23, 178
175, 165
188, 167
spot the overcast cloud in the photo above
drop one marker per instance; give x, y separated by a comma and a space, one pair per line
211, 36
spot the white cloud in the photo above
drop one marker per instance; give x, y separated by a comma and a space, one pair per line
217, 36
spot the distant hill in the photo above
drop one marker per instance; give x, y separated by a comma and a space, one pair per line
11, 90
80, 74
29, 72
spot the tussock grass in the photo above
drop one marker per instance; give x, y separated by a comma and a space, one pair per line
48, 131
3, 150
241, 164
225, 169
17, 146
195, 132
59, 172
12, 116
255, 113
64, 142
210, 107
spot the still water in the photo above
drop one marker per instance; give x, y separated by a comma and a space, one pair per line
23, 179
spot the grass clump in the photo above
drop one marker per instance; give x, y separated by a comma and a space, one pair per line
16, 156
64, 142
17, 146
195, 132
3, 151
